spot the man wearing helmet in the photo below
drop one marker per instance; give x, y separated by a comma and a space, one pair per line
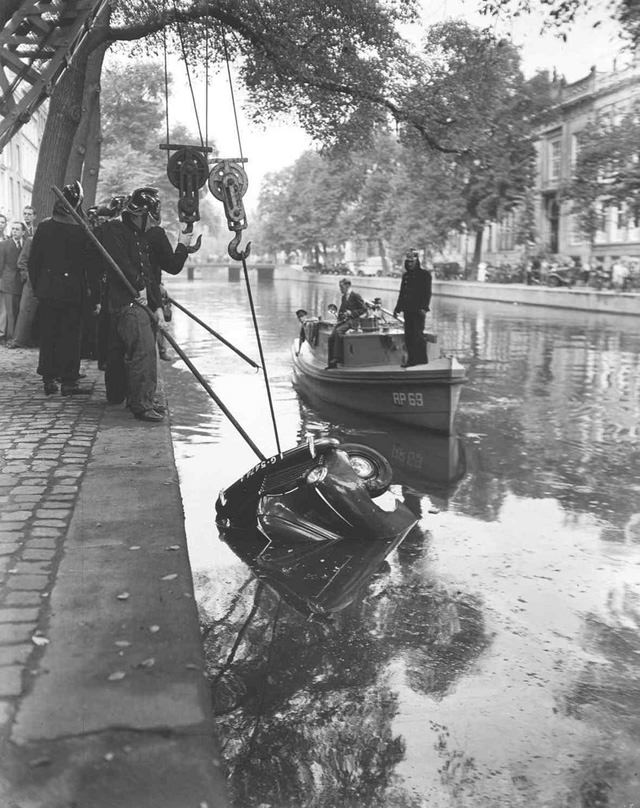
131, 335
61, 270
413, 302
163, 258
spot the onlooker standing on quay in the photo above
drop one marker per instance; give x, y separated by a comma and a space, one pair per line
24, 333
10, 280
29, 219
61, 261
413, 301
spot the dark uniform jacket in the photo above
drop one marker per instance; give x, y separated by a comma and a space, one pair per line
415, 291
163, 258
129, 249
62, 262
351, 302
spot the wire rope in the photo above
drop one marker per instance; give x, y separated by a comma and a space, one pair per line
244, 263
166, 80
186, 66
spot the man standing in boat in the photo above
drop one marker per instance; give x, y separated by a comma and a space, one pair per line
352, 307
413, 302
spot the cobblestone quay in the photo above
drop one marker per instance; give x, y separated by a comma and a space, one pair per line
103, 700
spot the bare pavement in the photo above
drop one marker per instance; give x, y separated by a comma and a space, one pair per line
103, 698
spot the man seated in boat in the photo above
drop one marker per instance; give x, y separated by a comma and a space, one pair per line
352, 307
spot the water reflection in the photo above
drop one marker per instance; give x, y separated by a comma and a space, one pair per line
307, 709
492, 658
423, 462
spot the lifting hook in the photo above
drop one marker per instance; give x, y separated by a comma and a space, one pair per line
228, 182
198, 242
232, 249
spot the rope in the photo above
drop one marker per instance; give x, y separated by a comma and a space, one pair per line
233, 98
186, 65
244, 262
166, 81
206, 78
262, 361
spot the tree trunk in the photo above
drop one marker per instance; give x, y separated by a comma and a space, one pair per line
383, 256
91, 168
88, 130
477, 247
65, 110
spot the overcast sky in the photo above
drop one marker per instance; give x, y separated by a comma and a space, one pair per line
278, 145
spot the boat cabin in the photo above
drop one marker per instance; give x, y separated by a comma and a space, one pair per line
373, 342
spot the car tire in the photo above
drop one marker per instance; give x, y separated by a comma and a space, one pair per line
371, 467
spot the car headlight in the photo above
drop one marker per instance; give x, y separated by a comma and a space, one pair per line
317, 475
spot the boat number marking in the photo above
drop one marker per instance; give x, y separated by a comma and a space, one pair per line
410, 399
408, 457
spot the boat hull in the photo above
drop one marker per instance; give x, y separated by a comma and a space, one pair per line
424, 397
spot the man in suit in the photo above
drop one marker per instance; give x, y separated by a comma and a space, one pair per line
10, 280
29, 220
24, 334
352, 307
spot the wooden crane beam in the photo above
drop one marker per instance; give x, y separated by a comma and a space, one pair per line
37, 44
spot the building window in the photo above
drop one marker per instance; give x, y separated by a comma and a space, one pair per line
575, 149
555, 150
575, 231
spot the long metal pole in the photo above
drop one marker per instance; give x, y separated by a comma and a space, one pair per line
105, 254
209, 390
214, 333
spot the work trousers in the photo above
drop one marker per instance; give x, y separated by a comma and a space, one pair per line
60, 330
335, 340
11, 308
132, 368
414, 337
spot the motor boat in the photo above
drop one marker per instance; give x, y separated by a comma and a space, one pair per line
370, 378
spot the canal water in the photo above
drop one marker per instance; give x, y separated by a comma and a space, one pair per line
493, 659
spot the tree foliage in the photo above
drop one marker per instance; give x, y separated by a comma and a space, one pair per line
561, 14
469, 92
133, 127
334, 66
607, 170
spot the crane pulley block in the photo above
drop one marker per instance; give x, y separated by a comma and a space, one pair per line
228, 182
187, 170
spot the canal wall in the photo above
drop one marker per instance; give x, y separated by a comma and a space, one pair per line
103, 696
577, 298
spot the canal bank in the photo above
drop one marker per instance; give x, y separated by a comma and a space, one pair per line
103, 699
579, 298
